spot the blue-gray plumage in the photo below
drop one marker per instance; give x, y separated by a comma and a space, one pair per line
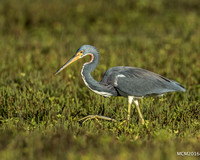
124, 81
138, 82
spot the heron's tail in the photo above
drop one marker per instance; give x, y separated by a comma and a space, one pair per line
178, 86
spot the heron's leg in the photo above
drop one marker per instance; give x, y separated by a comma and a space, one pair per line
130, 99
139, 112
96, 117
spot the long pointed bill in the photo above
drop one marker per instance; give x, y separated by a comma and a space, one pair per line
73, 59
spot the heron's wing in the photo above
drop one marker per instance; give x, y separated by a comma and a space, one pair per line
139, 82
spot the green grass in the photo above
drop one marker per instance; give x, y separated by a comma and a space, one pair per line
39, 112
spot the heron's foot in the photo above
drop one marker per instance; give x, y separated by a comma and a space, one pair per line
125, 121
96, 117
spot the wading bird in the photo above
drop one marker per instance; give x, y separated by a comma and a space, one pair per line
131, 82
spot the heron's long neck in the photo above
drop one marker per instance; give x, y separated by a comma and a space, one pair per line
86, 72
95, 86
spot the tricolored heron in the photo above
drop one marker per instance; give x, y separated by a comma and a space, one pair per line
131, 82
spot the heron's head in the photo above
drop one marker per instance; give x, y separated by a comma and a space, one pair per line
86, 49
80, 53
